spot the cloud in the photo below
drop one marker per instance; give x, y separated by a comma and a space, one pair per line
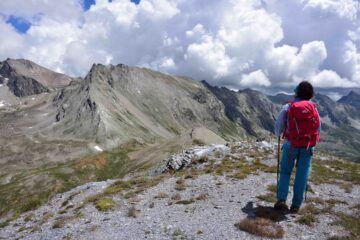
352, 61
330, 79
255, 79
31, 10
343, 8
12, 43
235, 43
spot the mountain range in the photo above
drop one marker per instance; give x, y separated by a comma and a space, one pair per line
48, 118
114, 104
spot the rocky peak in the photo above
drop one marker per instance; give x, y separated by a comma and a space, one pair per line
29, 69
352, 98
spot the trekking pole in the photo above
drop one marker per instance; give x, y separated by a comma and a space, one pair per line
278, 163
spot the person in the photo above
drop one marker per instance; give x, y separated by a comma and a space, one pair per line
294, 150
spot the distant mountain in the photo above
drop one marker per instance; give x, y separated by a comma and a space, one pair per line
25, 78
352, 99
281, 98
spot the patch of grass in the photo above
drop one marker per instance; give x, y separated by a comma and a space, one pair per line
202, 159
309, 212
185, 201
45, 218
60, 222
272, 188
198, 142
62, 211
133, 212
315, 200
178, 234
347, 187
104, 204
23, 228
307, 219
261, 227
106, 165
161, 195
269, 197
357, 207
4, 224
180, 184
310, 209
31, 204
350, 222
218, 154
176, 197
327, 171
333, 201
28, 217
137, 185
340, 238
202, 197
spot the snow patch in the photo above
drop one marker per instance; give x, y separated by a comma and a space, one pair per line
97, 148
2, 104
139, 92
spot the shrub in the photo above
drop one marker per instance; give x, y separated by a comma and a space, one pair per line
202, 196
176, 197
104, 204
185, 202
161, 195
307, 219
133, 212
261, 227
32, 204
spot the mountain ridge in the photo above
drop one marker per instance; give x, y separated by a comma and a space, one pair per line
119, 118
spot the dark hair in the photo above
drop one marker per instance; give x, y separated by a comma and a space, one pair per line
304, 91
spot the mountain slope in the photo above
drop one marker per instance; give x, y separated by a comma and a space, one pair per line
25, 78
116, 103
352, 99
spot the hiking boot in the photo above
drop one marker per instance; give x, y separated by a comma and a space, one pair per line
281, 205
294, 209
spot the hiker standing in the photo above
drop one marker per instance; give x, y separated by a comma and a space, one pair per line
299, 122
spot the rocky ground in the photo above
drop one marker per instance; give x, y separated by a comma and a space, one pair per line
215, 191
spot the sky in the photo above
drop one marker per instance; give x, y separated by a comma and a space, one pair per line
261, 44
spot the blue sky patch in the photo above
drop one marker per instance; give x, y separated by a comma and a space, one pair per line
87, 4
20, 24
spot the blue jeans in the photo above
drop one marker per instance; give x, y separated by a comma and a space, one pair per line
303, 168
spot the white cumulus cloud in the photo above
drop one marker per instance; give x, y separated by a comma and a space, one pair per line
329, 79
256, 78
343, 8
235, 43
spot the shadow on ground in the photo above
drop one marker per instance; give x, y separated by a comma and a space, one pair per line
264, 212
